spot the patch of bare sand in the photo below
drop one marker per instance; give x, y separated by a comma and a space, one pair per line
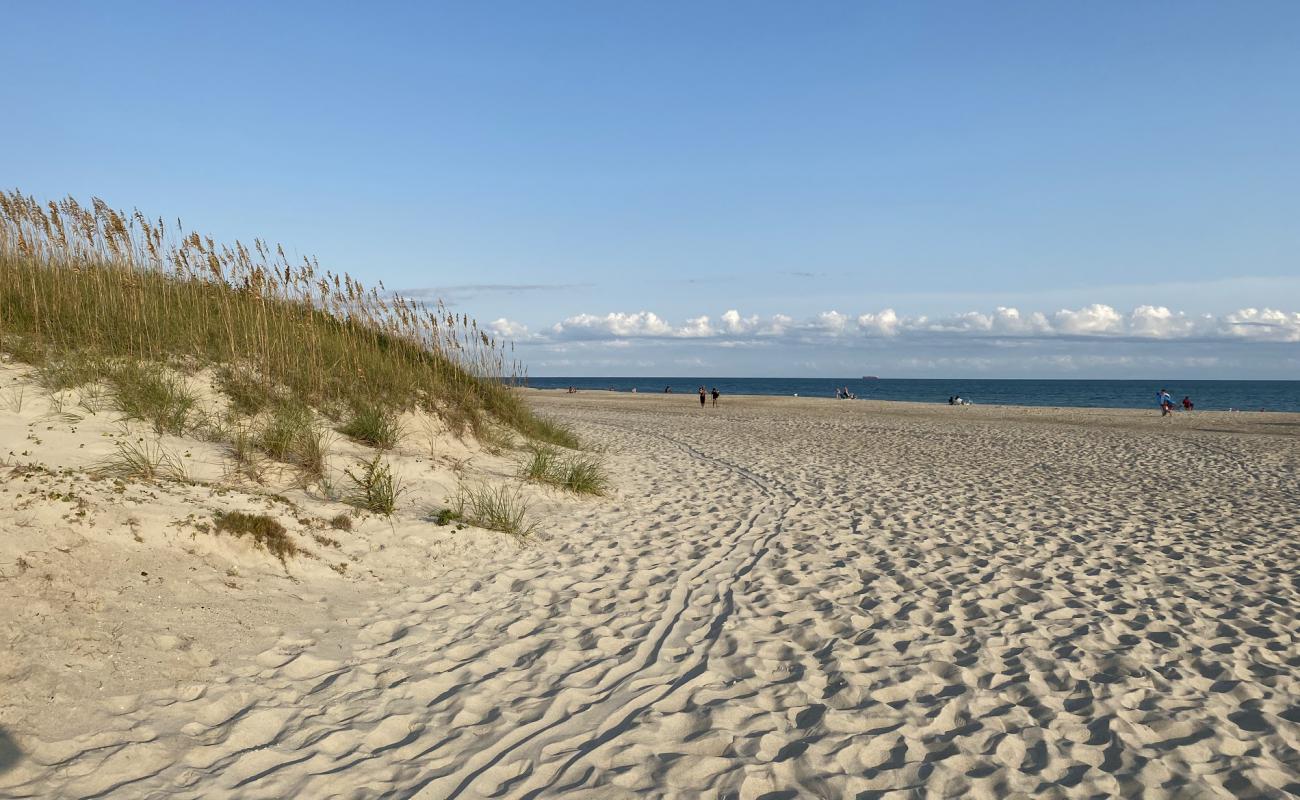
802, 597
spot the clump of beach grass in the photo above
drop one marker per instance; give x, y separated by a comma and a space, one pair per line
341, 522
289, 434
141, 459
373, 425
541, 464
265, 532
69, 370
83, 286
148, 392
248, 394
242, 447
494, 507
548, 431
575, 472
374, 487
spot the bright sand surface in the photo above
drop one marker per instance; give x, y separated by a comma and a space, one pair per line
781, 598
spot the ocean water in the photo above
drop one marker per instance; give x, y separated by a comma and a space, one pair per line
1207, 395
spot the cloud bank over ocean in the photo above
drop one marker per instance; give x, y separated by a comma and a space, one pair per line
1097, 320
1097, 338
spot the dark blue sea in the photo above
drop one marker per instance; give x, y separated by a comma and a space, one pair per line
1207, 395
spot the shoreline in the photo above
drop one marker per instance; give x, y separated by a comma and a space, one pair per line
1277, 396
1278, 423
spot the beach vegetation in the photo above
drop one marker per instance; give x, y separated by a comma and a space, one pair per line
83, 288
241, 447
374, 487
265, 532
373, 425
67, 370
141, 459
248, 394
326, 541
494, 507
341, 522
442, 517
289, 434
579, 473
148, 392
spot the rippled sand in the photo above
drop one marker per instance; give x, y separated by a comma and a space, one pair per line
799, 599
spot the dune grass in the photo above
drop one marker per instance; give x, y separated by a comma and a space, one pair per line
148, 392
575, 472
246, 393
141, 460
241, 446
494, 507
82, 288
373, 425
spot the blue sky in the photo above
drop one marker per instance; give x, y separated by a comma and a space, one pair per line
576, 171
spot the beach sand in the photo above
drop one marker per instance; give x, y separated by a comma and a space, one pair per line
781, 598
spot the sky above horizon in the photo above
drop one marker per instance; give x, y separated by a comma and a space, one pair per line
1019, 189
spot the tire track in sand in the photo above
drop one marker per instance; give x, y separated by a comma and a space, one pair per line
612, 708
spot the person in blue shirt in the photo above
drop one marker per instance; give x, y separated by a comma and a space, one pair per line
1166, 402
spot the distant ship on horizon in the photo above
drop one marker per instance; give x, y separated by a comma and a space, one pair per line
870, 378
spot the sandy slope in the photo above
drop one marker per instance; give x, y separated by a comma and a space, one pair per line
787, 599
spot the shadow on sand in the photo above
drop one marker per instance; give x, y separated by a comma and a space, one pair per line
9, 752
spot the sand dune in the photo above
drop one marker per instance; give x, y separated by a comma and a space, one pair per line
783, 599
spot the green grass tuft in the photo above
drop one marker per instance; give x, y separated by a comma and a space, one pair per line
148, 392
374, 487
290, 435
69, 370
496, 508
443, 517
266, 533
373, 425
248, 395
574, 472
141, 460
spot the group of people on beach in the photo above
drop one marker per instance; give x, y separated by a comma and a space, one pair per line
958, 400
704, 396
843, 393
1166, 401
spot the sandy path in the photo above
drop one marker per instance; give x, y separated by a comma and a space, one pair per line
797, 600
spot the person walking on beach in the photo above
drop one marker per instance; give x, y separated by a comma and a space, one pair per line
1166, 401
1187, 404
715, 397
701, 397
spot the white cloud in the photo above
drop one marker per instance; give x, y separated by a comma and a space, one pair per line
778, 325
508, 329
832, 322
1250, 323
1004, 325
591, 326
696, 328
732, 322
1090, 320
883, 324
